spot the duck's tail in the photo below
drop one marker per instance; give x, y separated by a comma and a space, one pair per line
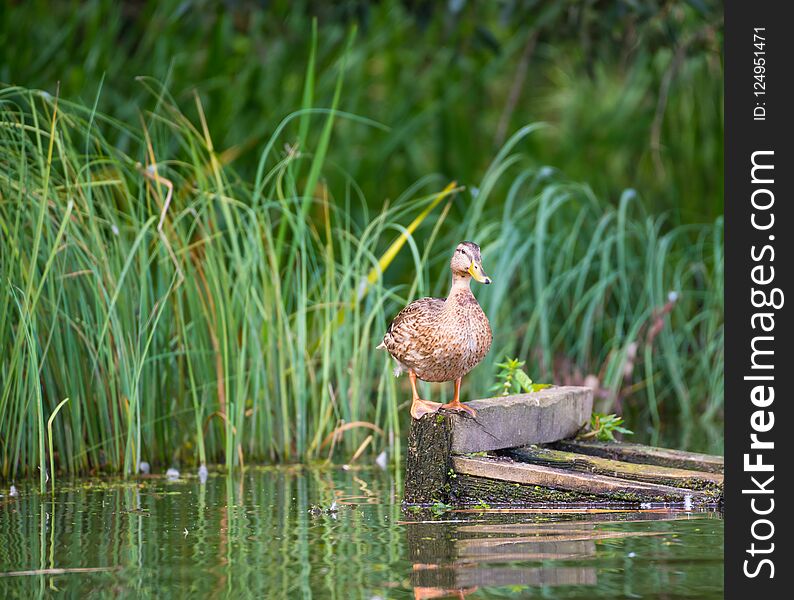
399, 367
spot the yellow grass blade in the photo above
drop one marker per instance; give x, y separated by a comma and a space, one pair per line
389, 256
394, 249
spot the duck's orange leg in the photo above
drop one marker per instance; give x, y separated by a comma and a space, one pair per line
419, 407
456, 404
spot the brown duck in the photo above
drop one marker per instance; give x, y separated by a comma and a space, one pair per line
442, 339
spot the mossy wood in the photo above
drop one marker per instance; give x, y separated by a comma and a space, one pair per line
429, 459
525, 474
646, 455
671, 476
561, 485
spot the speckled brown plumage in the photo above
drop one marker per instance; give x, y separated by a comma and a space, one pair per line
442, 339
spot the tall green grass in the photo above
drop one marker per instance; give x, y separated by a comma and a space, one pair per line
193, 316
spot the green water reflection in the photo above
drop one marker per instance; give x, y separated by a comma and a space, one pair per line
257, 536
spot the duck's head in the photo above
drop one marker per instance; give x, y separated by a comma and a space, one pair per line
467, 262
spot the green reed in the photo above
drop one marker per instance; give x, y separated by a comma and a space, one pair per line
194, 316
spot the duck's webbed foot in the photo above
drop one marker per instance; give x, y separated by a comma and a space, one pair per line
420, 408
456, 403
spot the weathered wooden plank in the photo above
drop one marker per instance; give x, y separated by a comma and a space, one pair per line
466, 490
522, 419
596, 472
648, 455
504, 422
682, 478
521, 477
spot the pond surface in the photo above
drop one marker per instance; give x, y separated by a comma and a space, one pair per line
256, 535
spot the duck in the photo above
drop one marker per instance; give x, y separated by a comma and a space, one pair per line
442, 339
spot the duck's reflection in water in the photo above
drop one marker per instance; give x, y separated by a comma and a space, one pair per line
455, 557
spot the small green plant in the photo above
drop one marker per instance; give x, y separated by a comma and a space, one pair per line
603, 427
439, 508
514, 379
482, 505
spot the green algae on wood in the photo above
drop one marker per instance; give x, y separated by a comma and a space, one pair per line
438, 475
648, 455
428, 460
468, 490
604, 488
675, 477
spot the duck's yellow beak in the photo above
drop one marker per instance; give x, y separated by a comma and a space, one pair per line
475, 270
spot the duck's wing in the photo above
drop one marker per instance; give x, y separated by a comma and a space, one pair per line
406, 332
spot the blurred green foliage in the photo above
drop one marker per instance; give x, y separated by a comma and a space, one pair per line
632, 90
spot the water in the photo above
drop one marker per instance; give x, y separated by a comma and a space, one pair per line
258, 536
